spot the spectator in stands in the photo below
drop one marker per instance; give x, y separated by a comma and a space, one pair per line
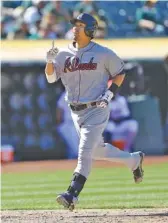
34, 12
3, 33
25, 19
85, 6
21, 31
122, 128
56, 17
34, 30
148, 18
57, 8
101, 32
7, 24
9, 7
19, 11
46, 32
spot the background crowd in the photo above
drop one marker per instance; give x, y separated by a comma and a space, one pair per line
37, 19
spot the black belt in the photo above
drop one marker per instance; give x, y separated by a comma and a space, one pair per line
118, 121
82, 106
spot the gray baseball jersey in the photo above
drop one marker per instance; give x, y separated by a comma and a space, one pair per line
85, 72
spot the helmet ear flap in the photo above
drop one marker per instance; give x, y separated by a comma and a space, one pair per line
94, 31
91, 31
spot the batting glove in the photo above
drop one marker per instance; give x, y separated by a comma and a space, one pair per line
105, 99
51, 54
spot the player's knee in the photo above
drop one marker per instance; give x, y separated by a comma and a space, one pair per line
85, 153
84, 162
88, 145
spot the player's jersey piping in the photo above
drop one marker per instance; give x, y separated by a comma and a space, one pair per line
80, 71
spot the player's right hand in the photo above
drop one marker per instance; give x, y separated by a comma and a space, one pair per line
51, 54
105, 99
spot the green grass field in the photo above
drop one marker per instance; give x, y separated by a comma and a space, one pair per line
105, 188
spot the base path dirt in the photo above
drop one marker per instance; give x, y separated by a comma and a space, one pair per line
41, 166
88, 216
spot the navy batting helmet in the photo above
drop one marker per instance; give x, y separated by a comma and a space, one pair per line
90, 21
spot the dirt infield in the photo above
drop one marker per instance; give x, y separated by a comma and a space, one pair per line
41, 166
88, 216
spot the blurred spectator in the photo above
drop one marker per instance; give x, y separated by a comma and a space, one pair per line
148, 18
101, 32
55, 20
34, 12
85, 6
3, 33
59, 11
21, 31
122, 128
50, 19
46, 32
7, 24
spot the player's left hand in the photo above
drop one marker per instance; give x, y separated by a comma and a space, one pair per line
105, 99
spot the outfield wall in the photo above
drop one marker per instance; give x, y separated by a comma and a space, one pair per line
138, 48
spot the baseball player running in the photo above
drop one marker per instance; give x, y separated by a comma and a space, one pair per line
84, 68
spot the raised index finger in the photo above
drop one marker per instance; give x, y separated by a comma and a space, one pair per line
53, 44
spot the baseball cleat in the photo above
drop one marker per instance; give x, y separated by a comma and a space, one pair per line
67, 200
138, 173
